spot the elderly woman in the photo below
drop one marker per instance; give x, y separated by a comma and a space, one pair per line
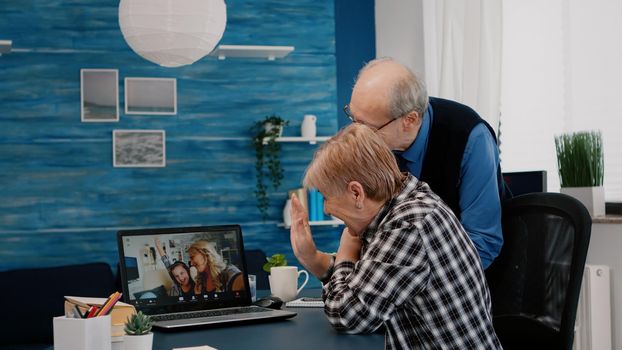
214, 275
403, 261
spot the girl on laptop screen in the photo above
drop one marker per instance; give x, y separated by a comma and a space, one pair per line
183, 285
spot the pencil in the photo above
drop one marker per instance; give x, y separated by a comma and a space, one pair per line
105, 303
107, 306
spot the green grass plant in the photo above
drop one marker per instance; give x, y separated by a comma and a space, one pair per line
580, 159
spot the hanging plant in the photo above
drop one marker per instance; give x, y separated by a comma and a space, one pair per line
267, 158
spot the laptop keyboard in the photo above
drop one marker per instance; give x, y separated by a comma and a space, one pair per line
209, 313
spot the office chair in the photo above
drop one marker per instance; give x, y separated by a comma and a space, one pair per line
255, 258
536, 280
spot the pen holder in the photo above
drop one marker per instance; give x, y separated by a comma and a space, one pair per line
82, 333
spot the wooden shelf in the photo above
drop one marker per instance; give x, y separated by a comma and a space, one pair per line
251, 51
333, 223
310, 140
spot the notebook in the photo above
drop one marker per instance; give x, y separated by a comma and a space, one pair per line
306, 302
189, 276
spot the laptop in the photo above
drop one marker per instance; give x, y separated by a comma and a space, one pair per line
522, 182
165, 274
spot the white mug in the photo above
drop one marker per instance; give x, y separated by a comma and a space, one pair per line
284, 282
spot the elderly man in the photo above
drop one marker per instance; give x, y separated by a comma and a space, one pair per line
403, 261
441, 142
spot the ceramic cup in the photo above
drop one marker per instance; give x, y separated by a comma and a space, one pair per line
284, 282
308, 128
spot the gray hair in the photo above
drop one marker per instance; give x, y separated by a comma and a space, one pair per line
408, 94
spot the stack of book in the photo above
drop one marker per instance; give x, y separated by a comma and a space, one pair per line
313, 202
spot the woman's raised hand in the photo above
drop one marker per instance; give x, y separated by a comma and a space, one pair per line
300, 233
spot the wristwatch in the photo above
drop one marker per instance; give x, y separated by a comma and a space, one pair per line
331, 267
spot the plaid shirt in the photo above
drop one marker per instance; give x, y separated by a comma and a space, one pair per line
419, 275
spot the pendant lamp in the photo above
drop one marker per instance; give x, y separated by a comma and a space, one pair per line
172, 33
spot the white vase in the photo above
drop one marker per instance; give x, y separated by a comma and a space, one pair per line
592, 197
308, 128
138, 342
287, 216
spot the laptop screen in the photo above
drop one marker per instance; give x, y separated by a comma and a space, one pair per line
183, 269
521, 182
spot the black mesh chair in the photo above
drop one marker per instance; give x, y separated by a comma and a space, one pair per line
255, 258
535, 281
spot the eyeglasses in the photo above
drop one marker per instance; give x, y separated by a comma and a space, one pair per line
348, 112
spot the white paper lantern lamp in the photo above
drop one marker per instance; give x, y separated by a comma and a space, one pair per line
172, 33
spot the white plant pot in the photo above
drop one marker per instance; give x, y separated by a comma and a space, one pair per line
592, 197
138, 342
268, 129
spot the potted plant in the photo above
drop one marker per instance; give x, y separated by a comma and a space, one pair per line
274, 261
267, 160
138, 330
581, 168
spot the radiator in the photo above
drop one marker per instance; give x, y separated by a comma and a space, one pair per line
593, 323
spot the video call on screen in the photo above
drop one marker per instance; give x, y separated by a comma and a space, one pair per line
150, 281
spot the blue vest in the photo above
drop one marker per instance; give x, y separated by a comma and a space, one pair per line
451, 126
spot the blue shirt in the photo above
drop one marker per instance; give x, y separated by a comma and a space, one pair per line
479, 189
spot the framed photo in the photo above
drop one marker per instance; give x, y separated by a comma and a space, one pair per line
151, 96
138, 148
99, 95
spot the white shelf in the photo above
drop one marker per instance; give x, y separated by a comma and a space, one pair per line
251, 51
310, 140
333, 223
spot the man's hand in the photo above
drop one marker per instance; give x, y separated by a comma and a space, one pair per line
349, 247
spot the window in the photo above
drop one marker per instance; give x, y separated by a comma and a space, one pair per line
561, 72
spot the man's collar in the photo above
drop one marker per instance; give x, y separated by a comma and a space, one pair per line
414, 153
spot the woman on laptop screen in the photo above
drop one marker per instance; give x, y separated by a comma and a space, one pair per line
214, 275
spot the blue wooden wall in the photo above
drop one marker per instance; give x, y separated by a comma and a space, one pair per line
61, 200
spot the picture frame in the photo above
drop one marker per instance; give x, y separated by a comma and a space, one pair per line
99, 95
151, 96
138, 148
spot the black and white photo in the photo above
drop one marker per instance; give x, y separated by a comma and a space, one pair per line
139, 148
99, 95
153, 96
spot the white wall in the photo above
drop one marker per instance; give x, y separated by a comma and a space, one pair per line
399, 32
605, 246
593, 59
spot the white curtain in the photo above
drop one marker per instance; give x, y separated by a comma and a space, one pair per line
561, 73
463, 53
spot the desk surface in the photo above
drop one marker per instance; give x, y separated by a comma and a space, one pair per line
307, 330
